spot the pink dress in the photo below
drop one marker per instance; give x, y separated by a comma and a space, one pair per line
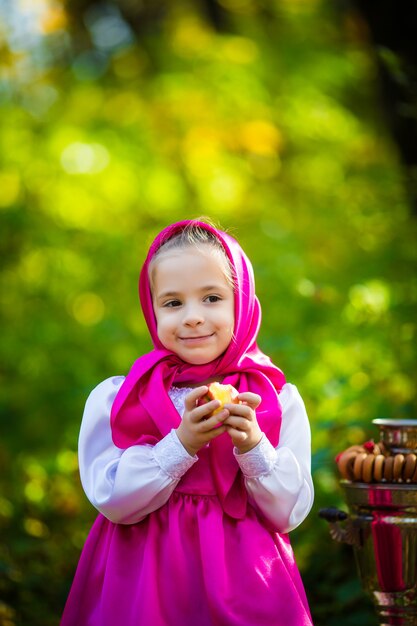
187, 563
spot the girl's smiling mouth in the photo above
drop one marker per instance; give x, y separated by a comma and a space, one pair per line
196, 339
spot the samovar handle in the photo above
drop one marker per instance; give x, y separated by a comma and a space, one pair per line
349, 533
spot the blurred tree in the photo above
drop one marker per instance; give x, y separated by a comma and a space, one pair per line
392, 33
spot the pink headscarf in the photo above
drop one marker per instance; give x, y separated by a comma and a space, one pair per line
143, 412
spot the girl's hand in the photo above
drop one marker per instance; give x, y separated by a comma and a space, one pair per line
197, 428
242, 424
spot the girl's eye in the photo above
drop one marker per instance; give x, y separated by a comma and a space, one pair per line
213, 298
172, 303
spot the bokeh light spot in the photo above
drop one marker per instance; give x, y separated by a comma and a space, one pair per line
359, 380
9, 188
34, 491
368, 301
67, 461
306, 288
84, 158
35, 528
88, 308
261, 137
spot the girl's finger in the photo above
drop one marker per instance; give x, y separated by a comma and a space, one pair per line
192, 397
238, 436
252, 399
239, 423
203, 412
244, 410
215, 432
213, 422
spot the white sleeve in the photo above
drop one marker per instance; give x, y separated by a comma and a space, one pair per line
125, 485
279, 480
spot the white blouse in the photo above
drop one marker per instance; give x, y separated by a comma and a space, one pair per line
126, 485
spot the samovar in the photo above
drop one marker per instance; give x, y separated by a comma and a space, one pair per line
380, 487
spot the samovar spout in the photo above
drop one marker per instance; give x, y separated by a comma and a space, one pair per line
348, 532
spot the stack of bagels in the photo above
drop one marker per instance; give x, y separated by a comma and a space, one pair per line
372, 463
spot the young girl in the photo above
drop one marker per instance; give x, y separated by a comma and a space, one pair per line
194, 509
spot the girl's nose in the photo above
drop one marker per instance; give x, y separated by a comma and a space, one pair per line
192, 316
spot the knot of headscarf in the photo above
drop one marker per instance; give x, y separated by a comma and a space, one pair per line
143, 412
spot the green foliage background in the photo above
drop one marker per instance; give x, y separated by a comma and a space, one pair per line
273, 131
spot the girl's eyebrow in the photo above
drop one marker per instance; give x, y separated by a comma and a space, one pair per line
212, 288
208, 287
167, 294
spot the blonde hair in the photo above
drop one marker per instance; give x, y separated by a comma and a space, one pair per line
193, 235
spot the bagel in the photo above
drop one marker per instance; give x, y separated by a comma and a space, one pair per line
345, 464
367, 468
356, 448
379, 467
357, 465
389, 468
409, 467
414, 476
398, 467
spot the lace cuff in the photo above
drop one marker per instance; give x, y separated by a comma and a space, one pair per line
172, 457
259, 461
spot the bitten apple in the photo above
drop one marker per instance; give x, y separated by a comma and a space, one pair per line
227, 394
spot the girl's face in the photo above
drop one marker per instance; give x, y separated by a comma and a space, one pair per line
193, 303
